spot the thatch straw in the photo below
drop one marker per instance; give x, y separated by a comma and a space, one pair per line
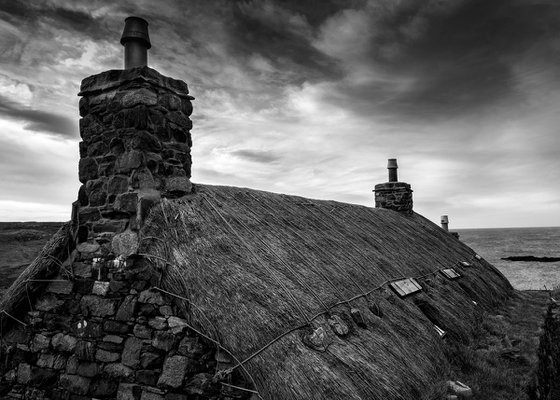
255, 265
45, 266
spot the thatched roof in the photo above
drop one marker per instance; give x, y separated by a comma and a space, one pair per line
263, 274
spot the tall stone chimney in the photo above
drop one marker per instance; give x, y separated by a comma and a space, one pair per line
135, 148
394, 195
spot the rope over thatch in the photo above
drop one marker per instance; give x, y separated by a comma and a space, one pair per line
36, 275
262, 274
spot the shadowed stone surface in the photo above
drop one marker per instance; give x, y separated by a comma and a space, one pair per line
173, 372
396, 196
136, 136
75, 384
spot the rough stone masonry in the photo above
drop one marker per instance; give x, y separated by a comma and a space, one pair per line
100, 329
135, 149
394, 195
105, 333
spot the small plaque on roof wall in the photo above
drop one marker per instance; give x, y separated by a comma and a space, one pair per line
450, 273
466, 264
404, 287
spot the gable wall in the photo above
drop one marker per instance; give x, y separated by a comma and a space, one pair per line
104, 332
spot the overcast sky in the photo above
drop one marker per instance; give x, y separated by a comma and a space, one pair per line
308, 98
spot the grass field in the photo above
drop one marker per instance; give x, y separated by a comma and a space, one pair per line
20, 242
499, 363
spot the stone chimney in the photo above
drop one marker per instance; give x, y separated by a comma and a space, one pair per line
394, 195
135, 148
445, 226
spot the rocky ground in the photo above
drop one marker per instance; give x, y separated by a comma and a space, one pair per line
20, 242
499, 363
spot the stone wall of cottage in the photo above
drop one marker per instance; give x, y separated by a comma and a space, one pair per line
396, 196
101, 331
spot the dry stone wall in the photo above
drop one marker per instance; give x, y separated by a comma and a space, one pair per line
105, 333
395, 196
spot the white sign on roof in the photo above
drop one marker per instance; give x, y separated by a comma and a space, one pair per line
450, 273
404, 287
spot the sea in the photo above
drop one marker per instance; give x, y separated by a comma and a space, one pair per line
497, 243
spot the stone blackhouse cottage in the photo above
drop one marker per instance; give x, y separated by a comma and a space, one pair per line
163, 289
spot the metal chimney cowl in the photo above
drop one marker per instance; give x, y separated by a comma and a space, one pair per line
392, 167
136, 42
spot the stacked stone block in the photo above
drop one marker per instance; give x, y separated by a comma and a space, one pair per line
105, 333
135, 148
396, 196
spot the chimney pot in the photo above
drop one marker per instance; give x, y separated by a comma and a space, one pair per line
392, 167
136, 42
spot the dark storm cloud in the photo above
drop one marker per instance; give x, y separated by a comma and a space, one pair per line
265, 156
15, 9
451, 61
282, 33
33, 31
39, 121
332, 87
465, 59
60, 16
427, 59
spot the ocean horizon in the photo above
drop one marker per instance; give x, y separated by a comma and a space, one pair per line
494, 244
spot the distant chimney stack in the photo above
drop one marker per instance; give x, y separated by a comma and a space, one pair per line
445, 226
445, 222
136, 42
394, 195
392, 167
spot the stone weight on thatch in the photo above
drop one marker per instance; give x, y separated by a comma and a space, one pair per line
338, 326
125, 244
358, 317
